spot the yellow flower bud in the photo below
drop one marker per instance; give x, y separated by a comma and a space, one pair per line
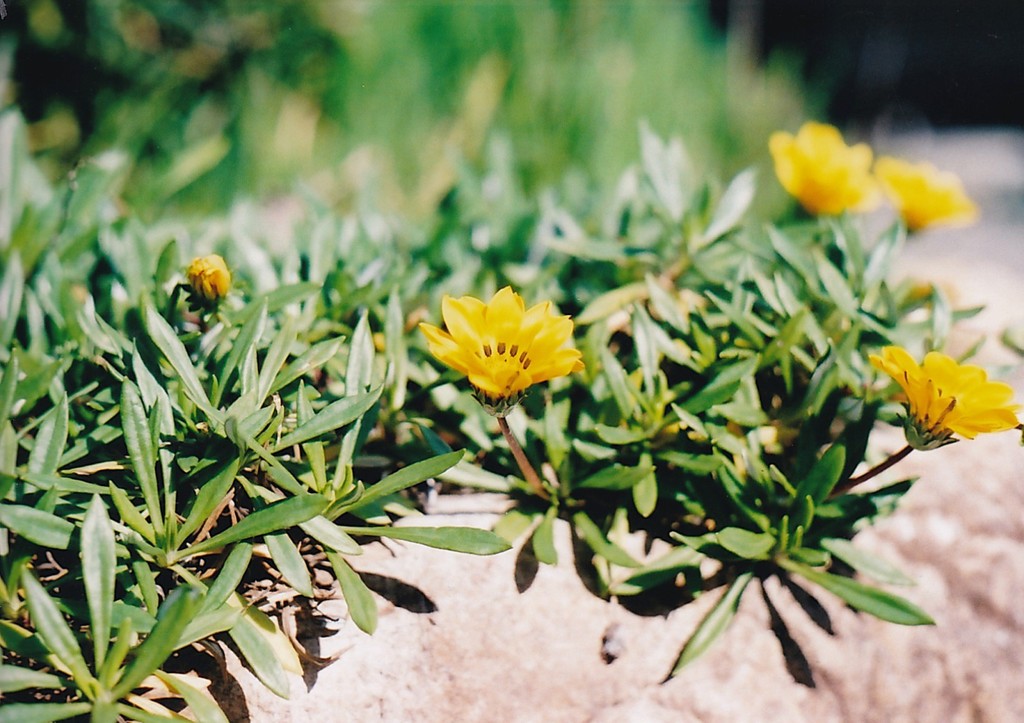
209, 277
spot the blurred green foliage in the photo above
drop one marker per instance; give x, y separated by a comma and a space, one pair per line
214, 99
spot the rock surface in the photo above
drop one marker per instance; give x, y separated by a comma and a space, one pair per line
490, 653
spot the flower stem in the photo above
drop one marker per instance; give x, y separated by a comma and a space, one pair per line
524, 464
873, 472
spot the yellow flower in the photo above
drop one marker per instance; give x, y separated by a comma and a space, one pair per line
209, 277
823, 173
946, 398
503, 347
923, 195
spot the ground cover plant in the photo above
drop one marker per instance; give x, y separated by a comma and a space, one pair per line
197, 417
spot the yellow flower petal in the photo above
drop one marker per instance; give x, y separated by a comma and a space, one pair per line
209, 277
824, 174
923, 195
945, 398
503, 347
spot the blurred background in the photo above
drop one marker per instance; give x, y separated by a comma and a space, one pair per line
213, 100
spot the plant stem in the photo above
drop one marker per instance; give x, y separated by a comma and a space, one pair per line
524, 464
874, 471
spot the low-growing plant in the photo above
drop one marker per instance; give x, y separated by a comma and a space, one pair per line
180, 430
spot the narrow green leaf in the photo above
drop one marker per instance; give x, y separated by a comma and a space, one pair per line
396, 350
228, 578
98, 565
837, 288
361, 604
408, 476
823, 476
733, 204
8, 385
175, 613
666, 305
619, 384
206, 625
211, 494
309, 361
746, 544
278, 516
290, 563
713, 624
130, 515
615, 477
42, 528
12, 289
202, 704
722, 386
512, 524
611, 301
50, 440
41, 712
14, 678
141, 452
275, 358
879, 603
335, 415
254, 635
54, 630
862, 562
544, 539
458, 539
174, 351
252, 329
661, 571
600, 544
327, 533
645, 494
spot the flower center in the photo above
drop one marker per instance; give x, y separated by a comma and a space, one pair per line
506, 363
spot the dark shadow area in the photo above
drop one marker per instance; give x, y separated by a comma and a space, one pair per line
810, 605
398, 593
796, 661
527, 566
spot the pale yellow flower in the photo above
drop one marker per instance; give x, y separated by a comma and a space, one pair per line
823, 173
209, 277
923, 195
503, 347
945, 398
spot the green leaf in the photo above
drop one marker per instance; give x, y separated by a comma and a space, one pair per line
202, 704
255, 635
621, 390
665, 305
12, 290
130, 515
98, 566
645, 494
458, 539
660, 571
395, 347
174, 614
210, 495
14, 678
42, 528
41, 712
881, 604
721, 387
544, 539
54, 630
746, 544
141, 452
733, 204
616, 477
512, 524
408, 476
174, 351
361, 604
862, 562
327, 533
309, 361
611, 301
619, 435
275, 358
600, 544
290, 563
823, 476
334, 415
50, 440
8, 385
228, 578
713, 624
251, 331
273, 518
